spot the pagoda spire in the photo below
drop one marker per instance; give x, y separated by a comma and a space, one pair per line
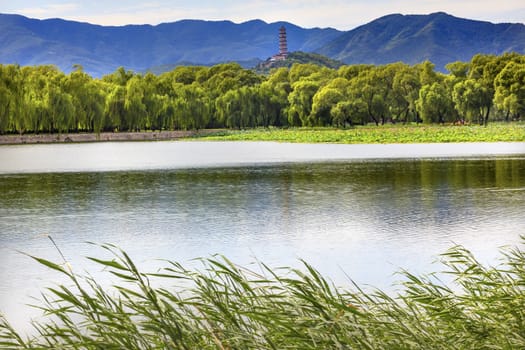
283, 45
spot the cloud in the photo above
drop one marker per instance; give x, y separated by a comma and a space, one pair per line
62, 10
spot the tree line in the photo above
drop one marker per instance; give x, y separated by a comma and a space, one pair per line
42, 99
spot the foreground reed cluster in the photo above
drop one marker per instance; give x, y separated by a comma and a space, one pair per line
224, 306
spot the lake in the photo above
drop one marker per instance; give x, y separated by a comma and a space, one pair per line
357, 212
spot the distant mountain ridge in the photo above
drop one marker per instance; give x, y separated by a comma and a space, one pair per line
101, 49
438, 37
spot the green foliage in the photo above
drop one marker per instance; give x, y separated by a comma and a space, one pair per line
44, 100
472, 100
458, 69
500, 132
298, 57
300, 100
225, 306
510, 88
435, 103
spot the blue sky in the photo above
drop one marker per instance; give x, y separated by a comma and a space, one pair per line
338, 14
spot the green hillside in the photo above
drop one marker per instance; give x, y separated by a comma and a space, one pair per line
298, 57
438, 37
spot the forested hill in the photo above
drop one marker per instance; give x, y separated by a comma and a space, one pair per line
438, 37
101, 50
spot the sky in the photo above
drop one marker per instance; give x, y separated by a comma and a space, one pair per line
339, 14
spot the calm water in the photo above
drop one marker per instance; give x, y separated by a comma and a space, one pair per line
365, 218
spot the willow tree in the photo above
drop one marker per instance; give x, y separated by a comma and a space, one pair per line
192, 107
370, 89
134, 107
114, 107
472, 100
510, 89
8, 74
325, 100
228, 107
60, 110
273, 96
405, 92
88, 99
300, 100
435, 104
5, 101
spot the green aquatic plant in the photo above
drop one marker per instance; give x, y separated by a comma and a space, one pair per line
410, 133
224, 306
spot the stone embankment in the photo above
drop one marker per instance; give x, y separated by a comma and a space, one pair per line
104, 136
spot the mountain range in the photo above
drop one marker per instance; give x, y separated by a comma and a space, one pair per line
438, 37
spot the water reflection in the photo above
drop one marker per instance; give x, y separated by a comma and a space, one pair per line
365, 218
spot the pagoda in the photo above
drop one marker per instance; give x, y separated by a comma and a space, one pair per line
283, 46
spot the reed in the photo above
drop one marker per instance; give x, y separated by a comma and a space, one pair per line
224, 306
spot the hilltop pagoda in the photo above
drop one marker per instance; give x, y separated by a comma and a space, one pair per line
283, 46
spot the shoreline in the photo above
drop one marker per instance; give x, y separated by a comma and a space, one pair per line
102, 137
359, 135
